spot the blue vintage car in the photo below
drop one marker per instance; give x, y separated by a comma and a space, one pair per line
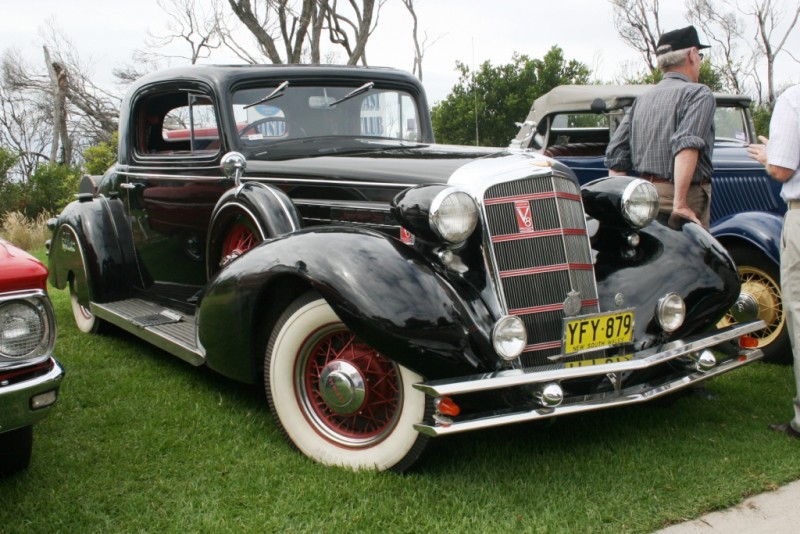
573, 124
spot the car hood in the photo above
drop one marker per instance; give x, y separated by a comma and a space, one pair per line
420, 164
19, 270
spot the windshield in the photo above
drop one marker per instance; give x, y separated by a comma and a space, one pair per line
731, 125
303, 112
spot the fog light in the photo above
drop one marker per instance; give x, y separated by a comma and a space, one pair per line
550, 395
706, 361
509, 337
43, 400
670, 312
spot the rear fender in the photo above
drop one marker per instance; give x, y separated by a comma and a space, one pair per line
92, 239
383, 290
760, 229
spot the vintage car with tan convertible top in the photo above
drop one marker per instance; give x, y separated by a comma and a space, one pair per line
297, 227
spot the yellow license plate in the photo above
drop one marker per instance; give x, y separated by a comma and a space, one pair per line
598, 331
600, 361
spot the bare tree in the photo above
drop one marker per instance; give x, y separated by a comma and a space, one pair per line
762, 46
746, 34
55, 110
725, 31
58, 90
192, 22
637, 22
768, 15
419, 48
296, 26
22, 114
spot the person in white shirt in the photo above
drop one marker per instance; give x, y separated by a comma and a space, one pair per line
780, 154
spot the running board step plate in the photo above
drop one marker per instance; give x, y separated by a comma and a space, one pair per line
164, 328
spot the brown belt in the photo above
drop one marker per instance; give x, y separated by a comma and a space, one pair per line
652, 178
793, 204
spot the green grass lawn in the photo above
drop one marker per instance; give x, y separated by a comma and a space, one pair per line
143, 442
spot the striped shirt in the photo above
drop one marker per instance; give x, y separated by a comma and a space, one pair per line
674, 115
783, 148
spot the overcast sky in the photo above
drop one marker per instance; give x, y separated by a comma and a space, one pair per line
105, 33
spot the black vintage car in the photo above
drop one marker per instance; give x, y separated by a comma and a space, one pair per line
296, 226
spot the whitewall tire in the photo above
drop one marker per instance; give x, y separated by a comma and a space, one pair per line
336, 399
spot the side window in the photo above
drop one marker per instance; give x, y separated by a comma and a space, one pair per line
180, 123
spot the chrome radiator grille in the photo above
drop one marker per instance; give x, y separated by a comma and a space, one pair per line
539, 250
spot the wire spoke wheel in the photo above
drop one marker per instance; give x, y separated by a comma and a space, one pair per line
335, 398
760, 279
348, 391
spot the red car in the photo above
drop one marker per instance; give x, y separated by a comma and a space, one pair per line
29, 374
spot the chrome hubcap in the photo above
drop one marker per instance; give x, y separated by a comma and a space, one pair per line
342, 387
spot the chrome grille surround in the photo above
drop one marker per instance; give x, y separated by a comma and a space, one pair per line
536, 262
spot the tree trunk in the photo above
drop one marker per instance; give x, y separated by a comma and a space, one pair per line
58, 86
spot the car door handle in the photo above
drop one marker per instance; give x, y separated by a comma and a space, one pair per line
129, 186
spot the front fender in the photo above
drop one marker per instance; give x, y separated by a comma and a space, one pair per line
383, 290
760, 229
686, 260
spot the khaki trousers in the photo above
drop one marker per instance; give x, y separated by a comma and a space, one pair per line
698, 199
790, 287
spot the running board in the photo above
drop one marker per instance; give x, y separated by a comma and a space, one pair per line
167, 329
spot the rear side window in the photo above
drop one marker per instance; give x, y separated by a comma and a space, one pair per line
178, 123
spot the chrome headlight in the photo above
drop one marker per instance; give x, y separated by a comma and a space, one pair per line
670, 312
509, 337
621, 200
639, 203
453, 215
26, 327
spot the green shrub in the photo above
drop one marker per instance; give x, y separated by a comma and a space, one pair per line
51, 187
100, 157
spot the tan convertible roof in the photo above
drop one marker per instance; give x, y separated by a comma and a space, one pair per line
579, 98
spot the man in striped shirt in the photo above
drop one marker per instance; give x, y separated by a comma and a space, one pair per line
668, 134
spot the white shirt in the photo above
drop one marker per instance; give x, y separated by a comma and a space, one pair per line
783, 148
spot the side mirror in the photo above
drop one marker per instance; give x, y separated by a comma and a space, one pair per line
598, 105
233, 166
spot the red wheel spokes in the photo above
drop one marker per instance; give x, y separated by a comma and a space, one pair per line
239, 240
382, 399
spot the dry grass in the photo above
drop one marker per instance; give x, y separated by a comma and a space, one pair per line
28, 234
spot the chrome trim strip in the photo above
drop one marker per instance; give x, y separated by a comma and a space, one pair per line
632, 395
641, 360
251, 178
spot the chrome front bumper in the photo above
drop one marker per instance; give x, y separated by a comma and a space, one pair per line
15, 399
619, 397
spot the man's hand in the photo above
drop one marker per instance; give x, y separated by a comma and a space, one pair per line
682, 212
759, 151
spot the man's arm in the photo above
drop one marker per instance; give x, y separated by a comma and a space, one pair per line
685, 163
759, 153
618, 152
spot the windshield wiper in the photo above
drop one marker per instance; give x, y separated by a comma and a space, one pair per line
274, 94
355, 92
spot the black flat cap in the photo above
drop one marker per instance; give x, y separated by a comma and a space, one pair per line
678, 40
